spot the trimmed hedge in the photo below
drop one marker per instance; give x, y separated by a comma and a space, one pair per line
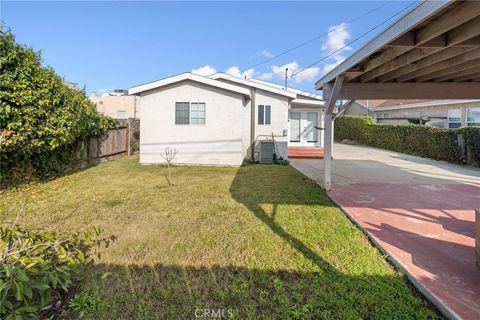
423, 141
471, 136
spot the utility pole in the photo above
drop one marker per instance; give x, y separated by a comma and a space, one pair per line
286, 77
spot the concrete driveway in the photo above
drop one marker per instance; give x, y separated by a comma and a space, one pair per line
419, 211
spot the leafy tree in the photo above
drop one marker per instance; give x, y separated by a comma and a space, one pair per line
42, 120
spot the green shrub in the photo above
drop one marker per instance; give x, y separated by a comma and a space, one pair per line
352, 127
423, 141
42, 120
36, 270
471, 137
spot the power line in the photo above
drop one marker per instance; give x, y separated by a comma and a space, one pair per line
350, 42
314, 38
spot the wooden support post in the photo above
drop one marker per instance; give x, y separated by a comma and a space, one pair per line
327, 155
328, 136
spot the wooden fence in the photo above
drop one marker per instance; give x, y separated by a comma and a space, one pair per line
113, 145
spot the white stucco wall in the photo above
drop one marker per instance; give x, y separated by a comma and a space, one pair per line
278, 123
279, 118
222, 140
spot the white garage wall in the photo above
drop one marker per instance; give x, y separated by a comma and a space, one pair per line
223, 140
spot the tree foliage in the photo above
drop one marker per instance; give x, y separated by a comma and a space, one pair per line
41, 118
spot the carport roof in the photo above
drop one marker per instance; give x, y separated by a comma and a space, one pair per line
432, 52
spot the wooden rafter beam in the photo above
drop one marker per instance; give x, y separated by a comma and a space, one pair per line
472, 42
458, 16
426, 69
422, 63
408, 40
409, 90
453, 28
460, 74
469, 77
440, 74
387, 55
404, 59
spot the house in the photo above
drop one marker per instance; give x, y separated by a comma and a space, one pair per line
71, 85
358, 108
117, 104
221, 119
440, 113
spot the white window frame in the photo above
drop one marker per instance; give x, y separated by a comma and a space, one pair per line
204, 111
264, 115
456, 121
471, 123
190, 113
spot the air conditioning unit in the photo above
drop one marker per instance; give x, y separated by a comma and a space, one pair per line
266, 151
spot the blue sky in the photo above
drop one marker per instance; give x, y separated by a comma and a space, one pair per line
119, 44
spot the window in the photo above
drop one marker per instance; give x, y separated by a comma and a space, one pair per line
197, 113
454, 118
121, 114
189, 112
473, 117
264, 114
386, 115
182, 113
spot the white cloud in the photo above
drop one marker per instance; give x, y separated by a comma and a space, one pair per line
265, 76
248, 73
336, 41
308, 74
235, 71
266, 54
103, 92
204, 71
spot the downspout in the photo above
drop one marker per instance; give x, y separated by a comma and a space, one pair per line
135, 107
252, 123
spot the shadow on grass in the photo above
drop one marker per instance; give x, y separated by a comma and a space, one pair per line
175, 292
317, 290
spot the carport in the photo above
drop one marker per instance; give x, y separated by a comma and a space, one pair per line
432, 52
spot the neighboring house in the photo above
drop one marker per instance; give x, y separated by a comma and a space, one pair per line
71, 85
353, 107
118, 104
441, 113
220, 120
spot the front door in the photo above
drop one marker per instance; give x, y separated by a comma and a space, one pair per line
302, 131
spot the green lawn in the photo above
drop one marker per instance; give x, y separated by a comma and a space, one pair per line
258, 241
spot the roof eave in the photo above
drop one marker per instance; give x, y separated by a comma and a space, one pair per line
416, 15
257, 85
187, 76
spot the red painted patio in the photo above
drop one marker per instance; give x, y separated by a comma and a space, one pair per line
428, 229
419, 211
305, 153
